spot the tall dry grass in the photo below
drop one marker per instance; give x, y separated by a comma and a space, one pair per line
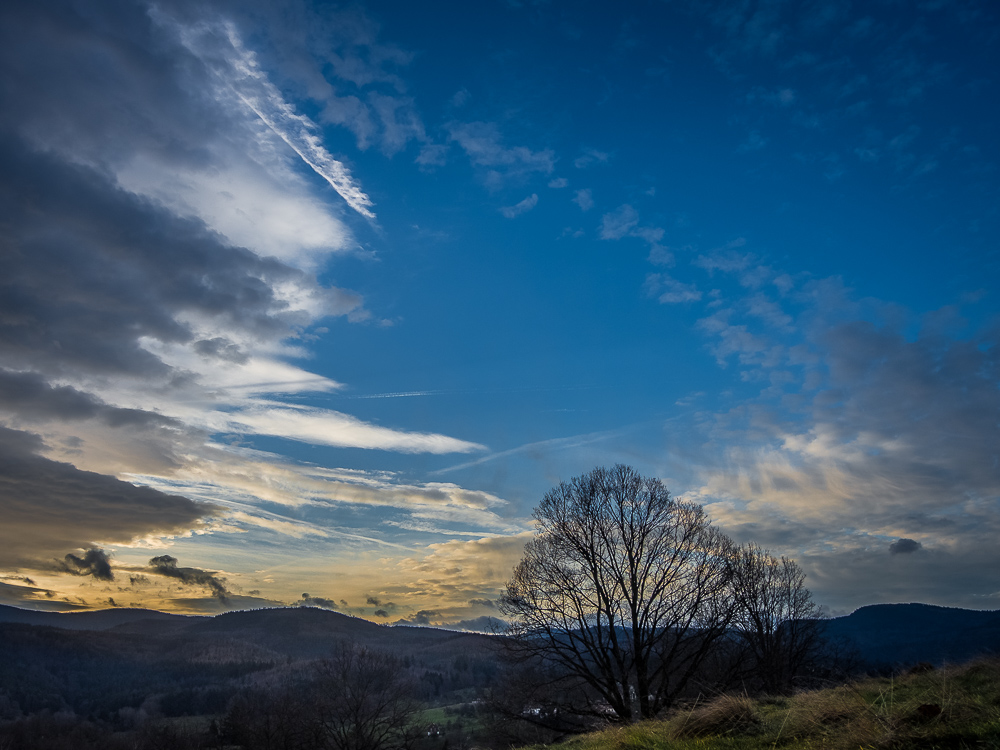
957, 708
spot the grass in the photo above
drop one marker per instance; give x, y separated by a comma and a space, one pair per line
957, 708
446, 716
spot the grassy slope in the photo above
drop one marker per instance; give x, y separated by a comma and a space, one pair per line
869, 714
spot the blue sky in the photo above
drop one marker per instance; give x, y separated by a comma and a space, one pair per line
324, 298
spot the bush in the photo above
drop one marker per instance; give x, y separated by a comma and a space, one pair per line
727, 714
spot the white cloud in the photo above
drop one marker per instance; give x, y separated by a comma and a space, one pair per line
267, 209
483, 144
324, 427
432, 155
584, 199
669, 290
465, 569
242, 480
624, 222
619, 223
558, 182
400, 122
590, 157
524, 206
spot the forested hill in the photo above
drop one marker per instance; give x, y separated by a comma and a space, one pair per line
97, 663
299, 632
898, 634
881, 634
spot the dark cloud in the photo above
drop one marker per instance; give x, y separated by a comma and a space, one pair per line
28, 394
904, 546
111, 269
423, 617
29, 597
23, 579
374, 600
17, 594
94, 562
137, 580
937, 575
166, 565
221, 348
316, 601
48, 507
488, 603
381, 613
210, 605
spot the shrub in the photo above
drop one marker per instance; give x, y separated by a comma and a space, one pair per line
727, 714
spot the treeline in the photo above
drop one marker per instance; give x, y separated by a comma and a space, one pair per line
357, 698
81, 689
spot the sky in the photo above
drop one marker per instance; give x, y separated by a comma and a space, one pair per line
311, 304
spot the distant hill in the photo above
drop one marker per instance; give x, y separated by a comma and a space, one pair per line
101, 619
297, 632
884, 635
896, 634
293, 627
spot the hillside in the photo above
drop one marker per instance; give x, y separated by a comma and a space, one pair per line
954, 708
98, 663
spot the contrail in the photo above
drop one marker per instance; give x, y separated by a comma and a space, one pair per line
243, 75
573, 441
401, 394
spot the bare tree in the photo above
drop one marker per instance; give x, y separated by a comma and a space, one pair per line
362, 700
775, 617
268, 718
623, 588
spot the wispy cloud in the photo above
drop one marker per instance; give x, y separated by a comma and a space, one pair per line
624, 222
669, 290
484, 145
590, 157
584, 199
324, 427
519, 208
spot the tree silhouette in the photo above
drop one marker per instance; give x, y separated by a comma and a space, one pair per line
623, 588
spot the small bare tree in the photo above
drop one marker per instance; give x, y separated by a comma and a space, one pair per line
623, 588
362, 700
775, 617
